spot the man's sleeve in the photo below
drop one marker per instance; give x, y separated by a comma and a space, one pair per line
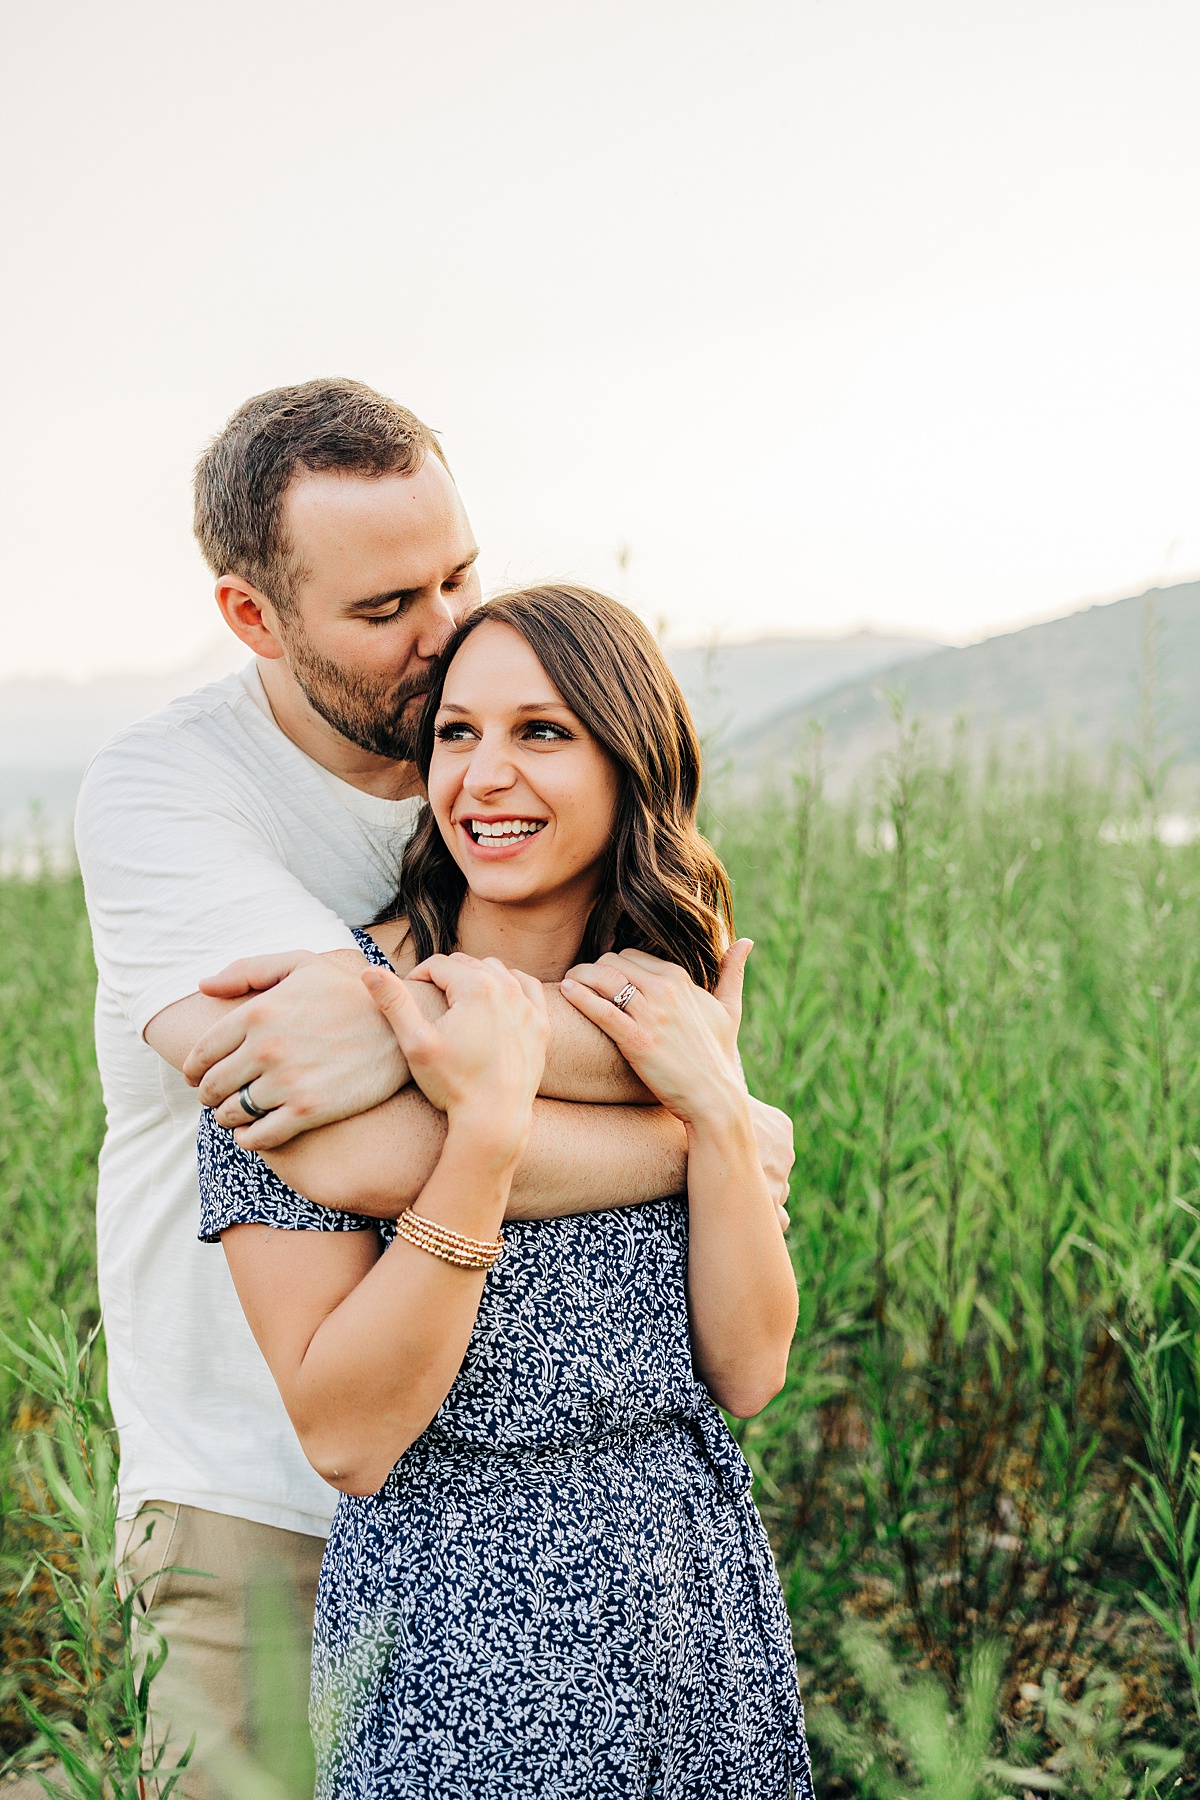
182, 876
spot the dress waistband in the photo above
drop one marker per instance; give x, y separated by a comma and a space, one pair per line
705, 1429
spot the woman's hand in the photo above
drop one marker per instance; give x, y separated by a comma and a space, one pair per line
481, 1063
681, 1040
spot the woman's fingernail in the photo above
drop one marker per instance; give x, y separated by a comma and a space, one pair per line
566, 982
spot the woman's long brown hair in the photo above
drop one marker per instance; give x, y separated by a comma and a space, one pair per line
663, 889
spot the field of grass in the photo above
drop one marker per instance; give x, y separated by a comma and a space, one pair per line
977, 996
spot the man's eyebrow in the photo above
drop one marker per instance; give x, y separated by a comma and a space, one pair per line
374, 600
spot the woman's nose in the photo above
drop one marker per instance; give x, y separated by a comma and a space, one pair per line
490, 767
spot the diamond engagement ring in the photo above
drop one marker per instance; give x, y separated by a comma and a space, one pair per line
621, 1000
248, 1106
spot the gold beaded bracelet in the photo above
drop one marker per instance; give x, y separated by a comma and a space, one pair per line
450, 1246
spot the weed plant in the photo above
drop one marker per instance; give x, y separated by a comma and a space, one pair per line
51, 1118
975, 992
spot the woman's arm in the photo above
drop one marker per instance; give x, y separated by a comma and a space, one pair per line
364, 1347
682, 1042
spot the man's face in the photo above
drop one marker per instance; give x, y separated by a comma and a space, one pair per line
387, 572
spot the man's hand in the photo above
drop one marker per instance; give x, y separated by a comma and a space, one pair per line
776, 1152
310, 1039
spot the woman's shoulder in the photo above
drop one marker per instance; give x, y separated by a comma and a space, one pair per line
388, 945
237, 1188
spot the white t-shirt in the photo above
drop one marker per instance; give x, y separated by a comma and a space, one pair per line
203, 834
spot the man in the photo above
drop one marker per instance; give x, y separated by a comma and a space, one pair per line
255, 820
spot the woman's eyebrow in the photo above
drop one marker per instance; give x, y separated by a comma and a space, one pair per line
527, 706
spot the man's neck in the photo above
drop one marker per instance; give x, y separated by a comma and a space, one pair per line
378, 775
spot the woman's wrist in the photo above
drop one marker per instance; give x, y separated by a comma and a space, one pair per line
721, 1110
484, 1137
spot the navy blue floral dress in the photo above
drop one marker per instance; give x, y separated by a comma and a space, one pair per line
563, 1589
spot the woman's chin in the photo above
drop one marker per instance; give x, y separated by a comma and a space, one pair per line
502, 884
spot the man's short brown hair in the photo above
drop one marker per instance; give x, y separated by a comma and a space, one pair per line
243, 475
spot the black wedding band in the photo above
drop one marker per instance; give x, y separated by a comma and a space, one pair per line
246, 1103
621, 1000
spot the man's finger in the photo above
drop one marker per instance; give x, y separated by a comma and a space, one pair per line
226, 1106
218, 1042
278, 1128
253, 974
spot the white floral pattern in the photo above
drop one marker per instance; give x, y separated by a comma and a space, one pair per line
563, 1589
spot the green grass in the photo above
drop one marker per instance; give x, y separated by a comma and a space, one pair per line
51, 1120
977, 996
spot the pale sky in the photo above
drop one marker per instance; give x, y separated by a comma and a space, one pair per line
834, 311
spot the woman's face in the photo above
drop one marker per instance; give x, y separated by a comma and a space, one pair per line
522, 793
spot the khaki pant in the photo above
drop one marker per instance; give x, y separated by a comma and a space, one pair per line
233, 1601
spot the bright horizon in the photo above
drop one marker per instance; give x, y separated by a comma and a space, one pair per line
834, 316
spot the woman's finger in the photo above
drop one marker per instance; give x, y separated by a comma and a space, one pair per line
398, 1007
609, 975
532, 989
732, 976
653, 965
598, 1007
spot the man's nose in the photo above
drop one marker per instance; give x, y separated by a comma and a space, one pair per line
435, 625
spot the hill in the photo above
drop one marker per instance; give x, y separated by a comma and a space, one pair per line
1079, 678
51, 728
733, 689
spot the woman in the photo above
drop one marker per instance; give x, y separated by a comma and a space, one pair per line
546, 1575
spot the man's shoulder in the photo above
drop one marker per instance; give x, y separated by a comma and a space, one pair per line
212, 722
194, 751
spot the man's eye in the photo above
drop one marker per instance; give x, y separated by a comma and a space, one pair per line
383, 618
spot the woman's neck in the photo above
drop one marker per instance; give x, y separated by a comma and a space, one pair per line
541, 938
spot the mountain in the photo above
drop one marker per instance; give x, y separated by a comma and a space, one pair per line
47, 722
733, 689
1080, 678
51, 728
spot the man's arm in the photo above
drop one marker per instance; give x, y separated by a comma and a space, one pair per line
305, 1031
580, 1158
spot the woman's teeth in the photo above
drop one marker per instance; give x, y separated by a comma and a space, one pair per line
503, 831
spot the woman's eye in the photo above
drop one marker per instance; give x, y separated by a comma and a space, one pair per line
543, 731
453, 732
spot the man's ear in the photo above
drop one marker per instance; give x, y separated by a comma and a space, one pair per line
249, 615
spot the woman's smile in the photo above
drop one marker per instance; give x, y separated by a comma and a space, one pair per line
496, 839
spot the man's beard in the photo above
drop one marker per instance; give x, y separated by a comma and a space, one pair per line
367, 710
